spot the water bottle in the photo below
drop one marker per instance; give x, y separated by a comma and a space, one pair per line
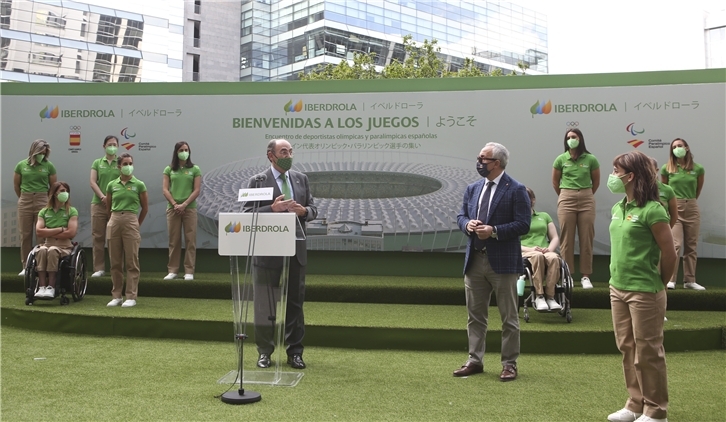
520, 286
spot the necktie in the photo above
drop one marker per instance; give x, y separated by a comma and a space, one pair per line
482, 216
285, 186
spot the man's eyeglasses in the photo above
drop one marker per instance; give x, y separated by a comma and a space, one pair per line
481, 160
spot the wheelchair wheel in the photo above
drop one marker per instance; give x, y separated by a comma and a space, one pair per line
31, 279
78, 277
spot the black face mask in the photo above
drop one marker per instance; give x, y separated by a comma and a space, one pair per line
482, 169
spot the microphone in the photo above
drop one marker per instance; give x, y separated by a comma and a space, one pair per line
260, 177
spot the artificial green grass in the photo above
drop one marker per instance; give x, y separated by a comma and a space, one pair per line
373, 289
89, 379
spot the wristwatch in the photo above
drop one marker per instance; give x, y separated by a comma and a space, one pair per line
494, 232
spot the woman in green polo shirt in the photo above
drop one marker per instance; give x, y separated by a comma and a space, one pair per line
182, 182
686, 177
103, 170
539, 246
57, 223
639, 237
576, 178
32, 178
127, 203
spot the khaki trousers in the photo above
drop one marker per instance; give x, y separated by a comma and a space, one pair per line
175, 223
548, 263
685, 236
480, 281
29, 204
124, 239
49, 255
638, 326
99, 220
576, 211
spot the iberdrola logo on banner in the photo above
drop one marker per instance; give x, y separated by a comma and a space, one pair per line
290, 108
47, 113
541, 108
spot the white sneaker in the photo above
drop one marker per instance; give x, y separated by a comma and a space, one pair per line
644, 418
98, 274
586, 284
40, 292
22, 273
553, 305
129, 303
49, 292
671, 285
665, 319
188, 277
170, 276
692, 286
115, 302
540, 304
624, 415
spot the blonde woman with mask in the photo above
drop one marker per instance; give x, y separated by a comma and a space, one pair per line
686, 177
58, 224
32, 178
103, 170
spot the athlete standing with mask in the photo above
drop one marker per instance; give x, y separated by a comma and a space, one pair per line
103, 170
639, 237
686, 177
575, 178
182, 184
32, 178
125, 197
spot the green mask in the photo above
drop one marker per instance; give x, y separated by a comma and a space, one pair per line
39, 157
573, 143
111, 150
679, 152
183, 155
616, 184
284, 163
63, 197
127, 170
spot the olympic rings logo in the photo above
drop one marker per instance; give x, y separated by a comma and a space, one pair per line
572, 124
75, 128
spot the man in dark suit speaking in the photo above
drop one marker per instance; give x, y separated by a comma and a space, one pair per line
292, 194
495, 212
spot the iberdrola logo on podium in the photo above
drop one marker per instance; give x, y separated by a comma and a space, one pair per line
233, 227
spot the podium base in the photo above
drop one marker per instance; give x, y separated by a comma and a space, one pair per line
283, 379
234, 397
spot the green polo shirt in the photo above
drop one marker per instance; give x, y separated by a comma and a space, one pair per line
181, 183
35, 178
576, 173
105, 172
634, 253
665, 194
53, 219
684, 183
537, 235
126, 197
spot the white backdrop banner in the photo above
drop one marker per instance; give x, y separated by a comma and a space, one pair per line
388, 161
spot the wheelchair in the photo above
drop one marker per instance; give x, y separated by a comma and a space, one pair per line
71, 277
563, 291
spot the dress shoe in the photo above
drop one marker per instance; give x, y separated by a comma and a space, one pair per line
509, 373
264, 361
296, 361
469, 368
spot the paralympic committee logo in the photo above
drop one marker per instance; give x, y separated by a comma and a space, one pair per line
635, 143
125, 133
128, 145
47, 113
541, 108
293, 108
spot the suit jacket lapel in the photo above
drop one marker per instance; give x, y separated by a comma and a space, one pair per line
499, 193
271, 182
474, 201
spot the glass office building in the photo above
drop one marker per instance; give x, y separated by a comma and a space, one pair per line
71, 41
279, 39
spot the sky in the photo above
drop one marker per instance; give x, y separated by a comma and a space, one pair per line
611, 36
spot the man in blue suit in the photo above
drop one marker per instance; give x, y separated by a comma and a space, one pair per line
495, 212
291, 191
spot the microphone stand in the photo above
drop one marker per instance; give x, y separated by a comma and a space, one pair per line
241, 396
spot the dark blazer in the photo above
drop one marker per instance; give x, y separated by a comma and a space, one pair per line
301, 195
510, 212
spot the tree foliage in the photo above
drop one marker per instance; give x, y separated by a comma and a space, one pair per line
421, 61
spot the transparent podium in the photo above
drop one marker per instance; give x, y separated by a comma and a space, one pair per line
258, 235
